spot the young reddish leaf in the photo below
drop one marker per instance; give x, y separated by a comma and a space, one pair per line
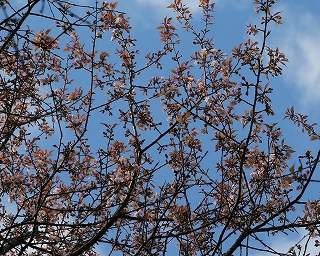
314, 137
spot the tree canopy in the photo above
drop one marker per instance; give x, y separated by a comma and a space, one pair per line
95, 153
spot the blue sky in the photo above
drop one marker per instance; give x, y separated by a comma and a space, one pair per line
298, 38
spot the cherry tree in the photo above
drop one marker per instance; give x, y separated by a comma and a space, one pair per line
96, 154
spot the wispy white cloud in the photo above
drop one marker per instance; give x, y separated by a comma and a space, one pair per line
282, 244
150, 14
300, 39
